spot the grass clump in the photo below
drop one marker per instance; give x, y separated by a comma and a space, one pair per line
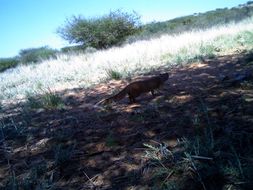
63, 154
182, 56
245, 38
113, 74
48, 100
51, 100
32, 101
207, 50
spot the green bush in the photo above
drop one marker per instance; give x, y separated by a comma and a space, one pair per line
76, 48
34, 55
102, 32
6, 63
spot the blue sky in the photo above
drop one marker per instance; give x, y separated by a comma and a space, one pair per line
33, 23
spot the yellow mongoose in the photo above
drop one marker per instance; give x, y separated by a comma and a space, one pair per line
135, 89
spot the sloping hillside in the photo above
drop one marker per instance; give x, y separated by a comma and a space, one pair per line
196, 133
198, 21
84, 70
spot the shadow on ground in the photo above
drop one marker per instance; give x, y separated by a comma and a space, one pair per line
84, 147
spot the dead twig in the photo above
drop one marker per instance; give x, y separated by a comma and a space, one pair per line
168, 176
196, 170
90, 180
201, 157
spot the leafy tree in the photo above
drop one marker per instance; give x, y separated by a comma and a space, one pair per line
101, 32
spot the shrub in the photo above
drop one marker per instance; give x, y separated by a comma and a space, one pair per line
6, 63
72, 49
103, 32
34, 55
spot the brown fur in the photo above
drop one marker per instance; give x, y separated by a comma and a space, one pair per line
135, 89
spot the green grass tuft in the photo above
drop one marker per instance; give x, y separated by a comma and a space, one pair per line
51, 100
48, 100
112, 74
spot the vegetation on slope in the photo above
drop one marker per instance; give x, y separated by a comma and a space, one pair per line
84, 70
28, 56
116, 27
198, 21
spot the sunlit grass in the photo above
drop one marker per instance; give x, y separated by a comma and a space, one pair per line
85, 70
